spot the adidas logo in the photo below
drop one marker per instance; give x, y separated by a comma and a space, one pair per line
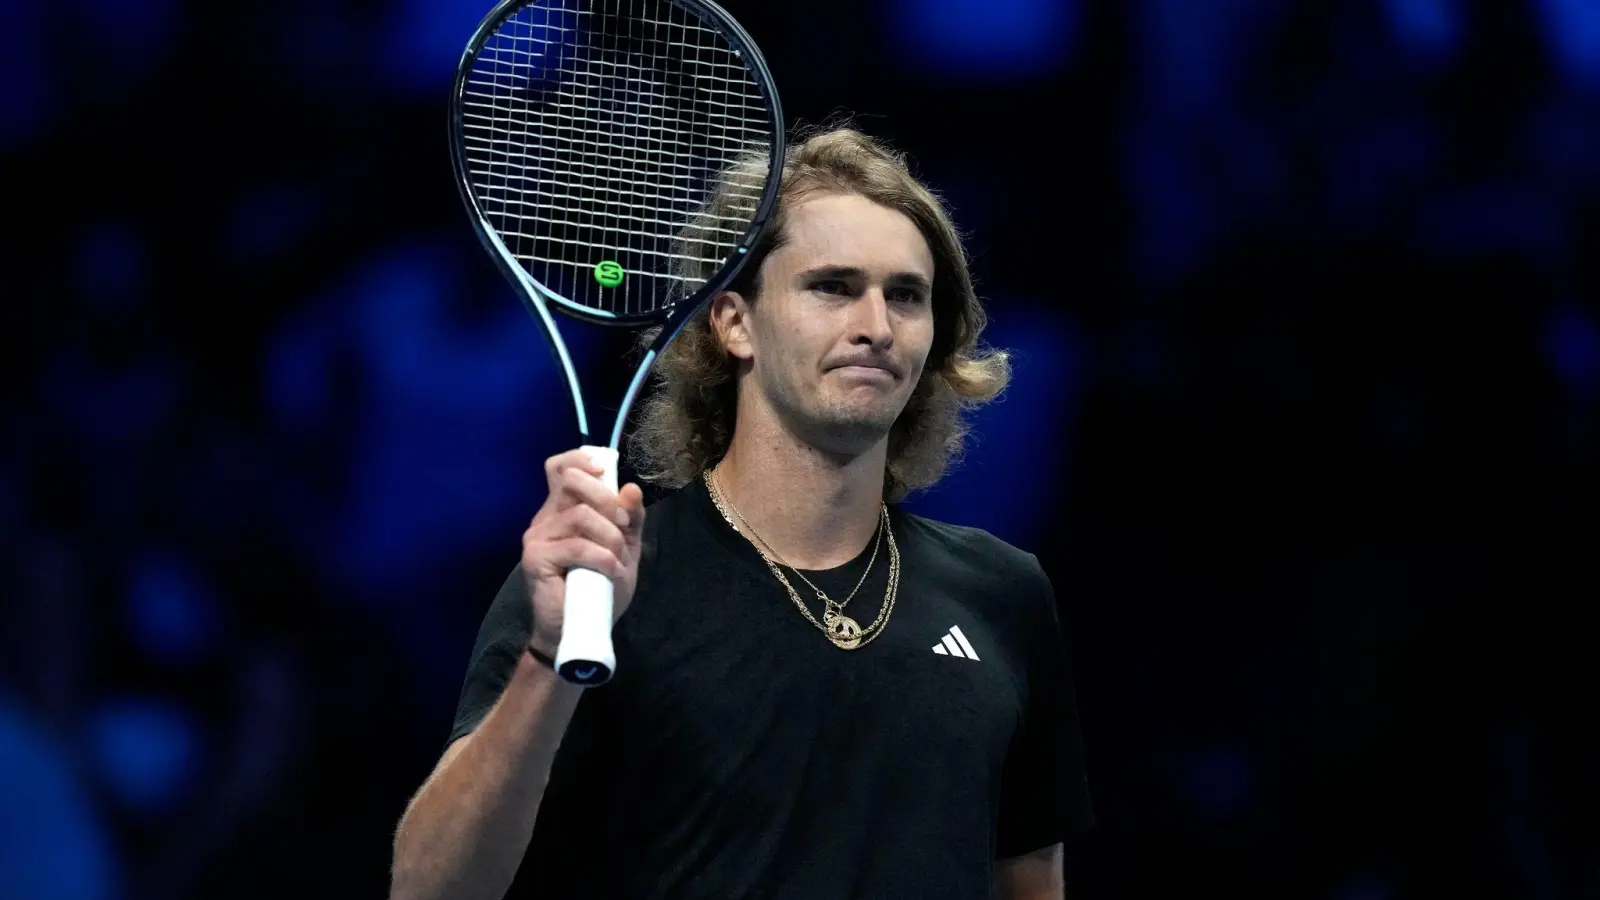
955, 643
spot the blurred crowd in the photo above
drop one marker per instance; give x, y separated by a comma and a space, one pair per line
1307, 309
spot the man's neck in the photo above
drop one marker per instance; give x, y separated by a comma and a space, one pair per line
815, 510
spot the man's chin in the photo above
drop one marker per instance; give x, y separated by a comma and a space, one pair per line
855, 430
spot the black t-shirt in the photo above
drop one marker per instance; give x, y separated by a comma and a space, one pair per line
737, 753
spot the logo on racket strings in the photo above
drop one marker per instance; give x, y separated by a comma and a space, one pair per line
609, 273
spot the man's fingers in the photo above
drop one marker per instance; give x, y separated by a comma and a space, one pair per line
581, 553
578, 486
630, 500
571, 459
587, 522
583, 524
575, 481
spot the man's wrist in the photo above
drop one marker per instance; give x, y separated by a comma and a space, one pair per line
539, 654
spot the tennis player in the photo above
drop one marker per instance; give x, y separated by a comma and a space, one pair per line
818, 695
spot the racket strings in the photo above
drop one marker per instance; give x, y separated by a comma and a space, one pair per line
596, 132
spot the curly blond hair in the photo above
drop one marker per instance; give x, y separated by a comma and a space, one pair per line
687, 421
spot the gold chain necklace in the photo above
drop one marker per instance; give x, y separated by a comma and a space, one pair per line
843, 631
829, 606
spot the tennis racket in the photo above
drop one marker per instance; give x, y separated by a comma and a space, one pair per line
618, 159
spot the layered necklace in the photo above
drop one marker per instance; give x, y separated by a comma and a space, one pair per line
843, 631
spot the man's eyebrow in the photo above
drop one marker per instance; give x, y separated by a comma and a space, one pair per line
831, 272
912, 279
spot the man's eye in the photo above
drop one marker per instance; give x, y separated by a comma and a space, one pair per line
831, 286
906, 295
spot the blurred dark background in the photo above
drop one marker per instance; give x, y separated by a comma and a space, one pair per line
1304, 424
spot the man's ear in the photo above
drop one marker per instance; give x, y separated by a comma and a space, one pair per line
730, 322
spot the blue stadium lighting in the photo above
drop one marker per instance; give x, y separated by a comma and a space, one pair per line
1573, 29
1006, 38
1428, 28
997, 486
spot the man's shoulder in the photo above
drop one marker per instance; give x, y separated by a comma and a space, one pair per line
982, 571
973, 545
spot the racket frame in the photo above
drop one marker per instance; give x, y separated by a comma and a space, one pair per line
536, 297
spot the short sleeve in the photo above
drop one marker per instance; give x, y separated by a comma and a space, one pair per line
1044, 790
501, 638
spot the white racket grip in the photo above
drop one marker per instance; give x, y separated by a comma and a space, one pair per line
585, 656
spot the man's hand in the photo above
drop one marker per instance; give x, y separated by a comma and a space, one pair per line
582, 523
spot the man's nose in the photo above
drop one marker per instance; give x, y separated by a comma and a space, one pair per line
871, 323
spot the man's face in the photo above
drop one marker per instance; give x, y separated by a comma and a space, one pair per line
838, 338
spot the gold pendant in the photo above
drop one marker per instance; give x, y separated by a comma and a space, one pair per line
843, 631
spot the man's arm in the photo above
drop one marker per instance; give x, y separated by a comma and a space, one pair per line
465, 831
1032, 876
464, 834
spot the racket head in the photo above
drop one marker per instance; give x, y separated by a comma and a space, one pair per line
589, 136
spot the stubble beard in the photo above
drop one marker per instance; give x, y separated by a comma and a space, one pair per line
825, 421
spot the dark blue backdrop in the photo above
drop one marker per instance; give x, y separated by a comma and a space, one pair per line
1304, 423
